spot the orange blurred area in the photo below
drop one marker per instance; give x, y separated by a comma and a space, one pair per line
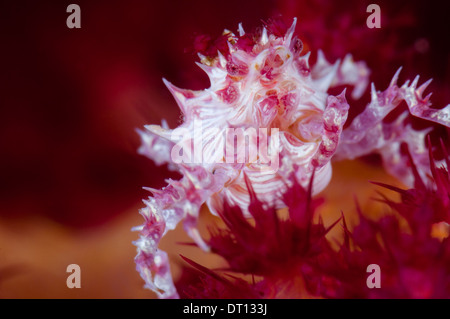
35, 252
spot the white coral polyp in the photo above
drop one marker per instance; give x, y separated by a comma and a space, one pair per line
269, 86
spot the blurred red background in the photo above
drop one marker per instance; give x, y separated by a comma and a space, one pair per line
71, 99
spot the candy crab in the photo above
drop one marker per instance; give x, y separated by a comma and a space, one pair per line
264, 83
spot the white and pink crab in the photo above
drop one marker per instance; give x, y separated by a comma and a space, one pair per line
270, 86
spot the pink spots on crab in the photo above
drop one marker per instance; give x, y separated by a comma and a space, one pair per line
324, 151
188, 94
167, 195
302, 67
331, 127
270, 102
192, 195
153, 227
315, 162
275, 103
270, 70
334, 117
268, 109
296, 46
237, 68
289, 99
229, 94
287, 102
277, 61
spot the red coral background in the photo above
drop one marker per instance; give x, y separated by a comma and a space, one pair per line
71, 100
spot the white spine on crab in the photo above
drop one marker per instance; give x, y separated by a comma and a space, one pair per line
352, 73
420, 107
156, 148
347, 72
264, 37
290, 33
241, 30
